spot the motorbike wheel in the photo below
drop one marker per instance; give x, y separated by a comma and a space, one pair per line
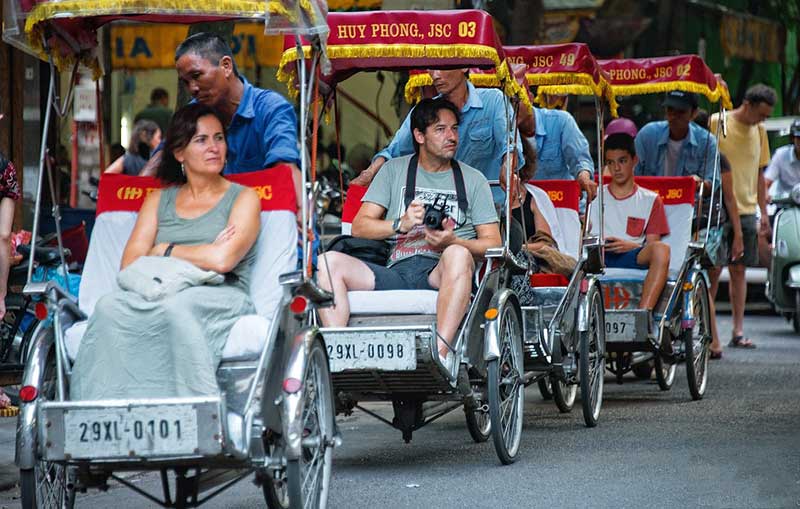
796, 314
47, 484
545, 388
506, 388
308, 477
592, 360
697, 341
13, 337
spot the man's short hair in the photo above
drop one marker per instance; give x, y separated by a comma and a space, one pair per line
210, 46
158, 94
761, 93
426, 113
620, 141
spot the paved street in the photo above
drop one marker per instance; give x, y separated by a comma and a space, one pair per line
739, 447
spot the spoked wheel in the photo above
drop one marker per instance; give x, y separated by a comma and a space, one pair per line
592, 360
564, 395
697, 341
308, 478
665, 373
545, 388
479, 423
506, 388
47, 484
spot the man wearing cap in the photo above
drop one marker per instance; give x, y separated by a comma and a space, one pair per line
677, 146
784, 168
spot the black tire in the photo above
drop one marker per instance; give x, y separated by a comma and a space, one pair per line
545, 388
275, 488
11, 332
665, 373
564, 394
643, 370
506, 388
479, 424
308, 477
697, 342
591, 361
47, 484
796, 314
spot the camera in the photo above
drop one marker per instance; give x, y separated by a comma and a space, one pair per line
435, 213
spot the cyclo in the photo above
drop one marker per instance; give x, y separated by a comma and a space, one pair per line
563, 328
488, 381
273, 415
682, 315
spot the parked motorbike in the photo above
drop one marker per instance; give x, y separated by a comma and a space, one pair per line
783, 281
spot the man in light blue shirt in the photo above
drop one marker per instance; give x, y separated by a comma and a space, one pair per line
562, 150
784, 167
482, 131
677, 146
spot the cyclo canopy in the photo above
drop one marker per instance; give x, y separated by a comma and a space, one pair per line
66, 30
404, 41
638, 76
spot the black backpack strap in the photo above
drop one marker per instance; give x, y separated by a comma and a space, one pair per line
461, 190
411, 180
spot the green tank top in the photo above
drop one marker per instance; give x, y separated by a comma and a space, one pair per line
202, 229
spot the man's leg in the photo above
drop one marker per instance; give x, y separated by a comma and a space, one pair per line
737, 288
338, 272
453, 277
656, 256
713, 278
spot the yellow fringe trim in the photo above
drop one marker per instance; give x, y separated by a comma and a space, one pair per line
575, 89
718, 94
43, 12
9, 411
413, 90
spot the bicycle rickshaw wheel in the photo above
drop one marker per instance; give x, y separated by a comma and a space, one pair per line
545, 388
564, 395
592, 360
796, 313
46, 484
506, 388
697, 341
665, 371
479, 424
308, 477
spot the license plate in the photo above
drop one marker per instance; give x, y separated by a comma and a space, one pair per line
384, 350
136, 431
620, 327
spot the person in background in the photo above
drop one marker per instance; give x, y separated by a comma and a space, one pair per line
158, 110
732, 236
784, 168
747, 148
9, 193
115, 151
146, 136
677, 146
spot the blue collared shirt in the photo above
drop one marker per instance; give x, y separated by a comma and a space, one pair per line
263, 131
562, 151
697, 154
481, 139
784, 168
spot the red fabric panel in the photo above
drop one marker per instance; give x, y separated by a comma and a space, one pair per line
352, 202
672, 190
563, 193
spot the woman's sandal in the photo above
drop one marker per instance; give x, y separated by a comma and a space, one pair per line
741, 342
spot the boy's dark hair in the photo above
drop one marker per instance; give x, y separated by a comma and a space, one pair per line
210, 46
761, 93
701, 118
181, 129
158, 94
426, 113
620, 141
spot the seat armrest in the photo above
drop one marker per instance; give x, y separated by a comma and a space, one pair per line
509, 260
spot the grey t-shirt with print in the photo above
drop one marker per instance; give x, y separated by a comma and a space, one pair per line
388, 190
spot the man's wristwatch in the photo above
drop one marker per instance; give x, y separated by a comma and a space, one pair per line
396, 226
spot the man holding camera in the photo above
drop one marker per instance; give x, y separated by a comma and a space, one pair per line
439, 227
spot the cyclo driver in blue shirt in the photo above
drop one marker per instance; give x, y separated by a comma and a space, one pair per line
422, 258
482, 129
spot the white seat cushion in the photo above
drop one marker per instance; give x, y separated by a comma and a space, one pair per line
393, 302
244, 342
